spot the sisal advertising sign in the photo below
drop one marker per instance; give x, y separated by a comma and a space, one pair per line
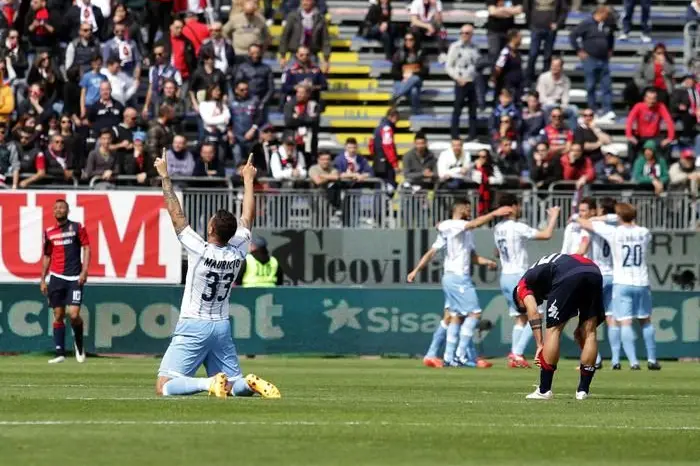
349, 321
131, 236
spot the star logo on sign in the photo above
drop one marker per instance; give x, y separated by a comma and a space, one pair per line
342, 316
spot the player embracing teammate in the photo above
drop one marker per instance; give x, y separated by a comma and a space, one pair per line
629, 244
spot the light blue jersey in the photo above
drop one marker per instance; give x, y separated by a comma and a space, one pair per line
203, 332
457, 243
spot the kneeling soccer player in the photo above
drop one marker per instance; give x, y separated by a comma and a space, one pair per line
572, 285
203, 332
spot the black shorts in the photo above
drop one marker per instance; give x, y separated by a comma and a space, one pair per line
579, 294
64, 293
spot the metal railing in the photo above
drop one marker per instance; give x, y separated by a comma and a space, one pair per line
373, 208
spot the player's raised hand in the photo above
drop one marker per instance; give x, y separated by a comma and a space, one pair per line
161, 165
553, 212
249, 172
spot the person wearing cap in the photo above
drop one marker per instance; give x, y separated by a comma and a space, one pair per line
686, 172
137, 162
288, 163
650, 169
260, 269
611, 168
263, 149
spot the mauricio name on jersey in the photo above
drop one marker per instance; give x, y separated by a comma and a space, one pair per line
211, 270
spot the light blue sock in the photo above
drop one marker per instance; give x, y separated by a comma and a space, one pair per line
186, 386
241, 388
627, 336
525, 337
649, 334
515, 336
598, 359
438, 340
451, 342
614, 338
465, 339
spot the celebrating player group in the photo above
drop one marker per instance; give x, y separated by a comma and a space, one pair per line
600, 275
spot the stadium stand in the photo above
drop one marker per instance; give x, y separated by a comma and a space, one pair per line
355, 97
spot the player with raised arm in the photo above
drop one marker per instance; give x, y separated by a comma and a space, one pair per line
511, 237
63, 244
578, 241
598, 250
455, 238
203, 332
629, 244
572, 285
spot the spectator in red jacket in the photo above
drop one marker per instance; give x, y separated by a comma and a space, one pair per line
195, 31
576, 167
644, 123
383, 148
557, 135
182, 52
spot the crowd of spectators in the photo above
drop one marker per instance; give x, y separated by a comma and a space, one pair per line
71, 74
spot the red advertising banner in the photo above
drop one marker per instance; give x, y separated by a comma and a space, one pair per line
131, 237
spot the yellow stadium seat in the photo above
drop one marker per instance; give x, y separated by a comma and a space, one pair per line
357, 96
352, 84
355, 112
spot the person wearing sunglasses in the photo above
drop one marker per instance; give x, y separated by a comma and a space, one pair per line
409, 69
590, 136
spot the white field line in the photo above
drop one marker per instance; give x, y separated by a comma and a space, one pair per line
342, 424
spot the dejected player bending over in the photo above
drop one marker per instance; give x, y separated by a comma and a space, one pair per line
203, 332
572, 285
63, 245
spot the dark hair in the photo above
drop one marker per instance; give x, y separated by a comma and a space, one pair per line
419, 135
558, 57
542, 143
534, 94
650, 90
325, 152
350, 140
210, 91
206, 144
63, 201
463, 202
112, 60
507, 200
392, 112
224, 225
589, 201
608, 205
106, 131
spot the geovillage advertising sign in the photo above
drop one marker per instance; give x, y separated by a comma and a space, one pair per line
343, 321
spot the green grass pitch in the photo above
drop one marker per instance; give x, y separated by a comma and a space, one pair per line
346, 412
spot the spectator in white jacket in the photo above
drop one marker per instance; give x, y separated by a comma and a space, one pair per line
124, 87
453, 165
553, 86
215, 114
288, 163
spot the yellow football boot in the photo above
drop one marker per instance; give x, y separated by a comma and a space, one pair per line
218, 386
263, 387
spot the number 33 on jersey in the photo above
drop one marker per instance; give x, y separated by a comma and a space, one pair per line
211, 271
